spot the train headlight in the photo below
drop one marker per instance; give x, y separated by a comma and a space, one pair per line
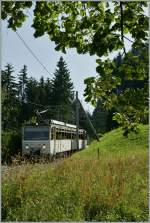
27, 147
43, 147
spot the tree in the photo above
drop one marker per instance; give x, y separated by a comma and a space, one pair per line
84, 124
99, 118
123, 88
41, 92
95, 27
22, 83
14, 12
32, 90
62, 90
48, 90
98, 28
10, 103
8, 80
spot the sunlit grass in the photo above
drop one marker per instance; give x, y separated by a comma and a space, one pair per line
83, 187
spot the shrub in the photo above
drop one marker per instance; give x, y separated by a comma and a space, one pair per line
11, 145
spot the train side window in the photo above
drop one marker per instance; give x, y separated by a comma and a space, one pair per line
68, 135
81, 136
58, 135
73, 135
63, 135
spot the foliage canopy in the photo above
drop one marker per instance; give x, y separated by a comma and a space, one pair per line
97, 28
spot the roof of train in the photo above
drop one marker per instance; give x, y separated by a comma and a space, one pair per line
55, 122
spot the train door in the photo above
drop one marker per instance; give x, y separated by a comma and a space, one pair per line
58, 141
53, 140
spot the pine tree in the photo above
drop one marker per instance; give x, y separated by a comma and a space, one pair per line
32, 96
22, 83
48, 90
8, 80
99, 118
62, 91
10, 103
31, 90
42, 92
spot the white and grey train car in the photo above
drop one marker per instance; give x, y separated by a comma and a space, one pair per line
57, 137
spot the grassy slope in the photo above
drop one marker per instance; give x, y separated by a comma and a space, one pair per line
114, 144
83, 187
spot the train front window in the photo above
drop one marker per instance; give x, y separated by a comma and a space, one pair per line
36, 133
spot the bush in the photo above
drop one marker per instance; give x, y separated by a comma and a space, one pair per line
11, 145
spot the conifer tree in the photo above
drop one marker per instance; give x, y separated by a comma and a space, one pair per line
8, 80
48, 90
62, 91
22, 83
42, 92
10, 105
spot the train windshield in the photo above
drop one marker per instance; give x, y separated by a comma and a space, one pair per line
36, 133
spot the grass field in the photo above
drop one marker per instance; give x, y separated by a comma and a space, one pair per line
85, 187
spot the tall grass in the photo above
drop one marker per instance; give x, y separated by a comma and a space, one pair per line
113, 188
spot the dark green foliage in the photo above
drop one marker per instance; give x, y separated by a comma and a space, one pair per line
8, 80
14, 12
42, 97
48, 90
102, 119
32, 90
10, 103
22, 83
87, 26
62, 91
83, 123
122, 85
11, 144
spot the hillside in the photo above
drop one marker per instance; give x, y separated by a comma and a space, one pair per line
83, 187
114, 144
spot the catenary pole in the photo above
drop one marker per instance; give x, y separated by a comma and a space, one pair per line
77, 120
89, 121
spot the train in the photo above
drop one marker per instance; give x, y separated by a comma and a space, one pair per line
51, 139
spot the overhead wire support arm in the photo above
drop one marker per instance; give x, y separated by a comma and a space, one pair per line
77, 120
89, 121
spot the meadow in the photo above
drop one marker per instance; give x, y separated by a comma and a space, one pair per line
111, 186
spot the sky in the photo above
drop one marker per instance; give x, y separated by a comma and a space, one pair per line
14, 52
